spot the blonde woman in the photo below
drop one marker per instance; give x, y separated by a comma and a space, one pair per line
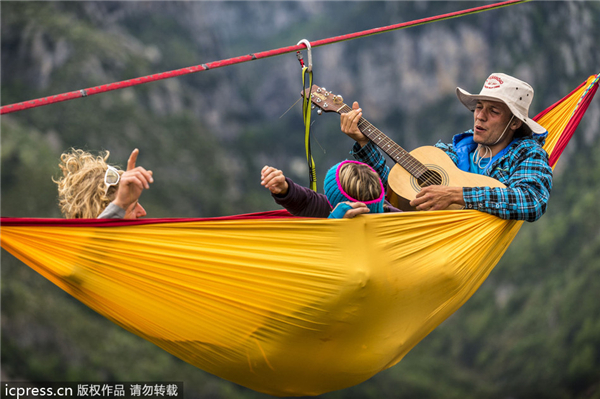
351, 188
91, 188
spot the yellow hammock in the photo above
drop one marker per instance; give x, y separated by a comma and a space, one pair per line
282, 305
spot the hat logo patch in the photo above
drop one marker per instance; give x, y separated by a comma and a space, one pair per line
493, 82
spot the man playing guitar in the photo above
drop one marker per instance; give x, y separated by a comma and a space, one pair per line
504, 144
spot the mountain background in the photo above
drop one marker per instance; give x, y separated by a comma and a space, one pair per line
533, 328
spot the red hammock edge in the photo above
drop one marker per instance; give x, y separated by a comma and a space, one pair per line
573, 123
14, 221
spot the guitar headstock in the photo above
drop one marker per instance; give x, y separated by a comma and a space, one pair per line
325, 100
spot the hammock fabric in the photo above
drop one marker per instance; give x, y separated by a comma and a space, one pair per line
286, 306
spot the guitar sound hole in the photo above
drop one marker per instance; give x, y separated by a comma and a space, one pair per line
430, 178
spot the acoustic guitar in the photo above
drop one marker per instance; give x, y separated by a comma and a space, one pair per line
424, 166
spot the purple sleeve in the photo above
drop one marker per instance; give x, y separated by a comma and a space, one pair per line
387, 207
302, 201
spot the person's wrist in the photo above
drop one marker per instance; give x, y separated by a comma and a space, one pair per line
285, 189
119, 204
361, 139
459, 198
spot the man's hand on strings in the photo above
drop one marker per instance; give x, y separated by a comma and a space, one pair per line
133, 181
349, 125
436, 198
274, 180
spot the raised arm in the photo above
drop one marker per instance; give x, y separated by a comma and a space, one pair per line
133, 182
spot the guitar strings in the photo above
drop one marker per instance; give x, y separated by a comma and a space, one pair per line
431, 179
288, 110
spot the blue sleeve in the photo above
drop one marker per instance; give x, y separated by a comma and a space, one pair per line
527, 191
449, 150
339, 211
370, 155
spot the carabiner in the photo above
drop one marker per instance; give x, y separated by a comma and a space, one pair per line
309, 52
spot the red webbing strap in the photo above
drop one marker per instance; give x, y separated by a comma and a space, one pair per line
573, 123
572, 126
237, 60
550, 108
10, 221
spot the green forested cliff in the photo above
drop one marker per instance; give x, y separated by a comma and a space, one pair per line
533, 328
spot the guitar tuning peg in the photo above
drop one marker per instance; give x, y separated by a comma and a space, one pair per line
319, 111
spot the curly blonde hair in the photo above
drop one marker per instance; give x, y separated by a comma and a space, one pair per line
82, 192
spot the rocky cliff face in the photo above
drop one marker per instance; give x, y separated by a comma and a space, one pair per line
548, 44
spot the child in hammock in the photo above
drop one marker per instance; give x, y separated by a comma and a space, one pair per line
351, 188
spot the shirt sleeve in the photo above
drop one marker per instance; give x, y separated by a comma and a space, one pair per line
527, 192
112, 211
302, 201
387, 207
370, 155
449, 150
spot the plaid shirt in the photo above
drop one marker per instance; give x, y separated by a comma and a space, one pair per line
523, 169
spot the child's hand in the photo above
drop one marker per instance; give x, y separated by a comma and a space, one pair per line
274, 180
348, 210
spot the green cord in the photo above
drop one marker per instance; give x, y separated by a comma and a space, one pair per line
306, 111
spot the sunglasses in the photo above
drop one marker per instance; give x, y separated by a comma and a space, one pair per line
111, 177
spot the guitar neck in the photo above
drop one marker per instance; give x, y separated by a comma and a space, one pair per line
387, 145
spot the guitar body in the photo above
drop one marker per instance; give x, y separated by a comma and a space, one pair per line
424, 166
404, 187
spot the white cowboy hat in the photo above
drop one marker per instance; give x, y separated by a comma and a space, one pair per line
515, 93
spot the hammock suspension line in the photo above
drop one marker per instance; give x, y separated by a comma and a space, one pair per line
10, 108
306, 108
